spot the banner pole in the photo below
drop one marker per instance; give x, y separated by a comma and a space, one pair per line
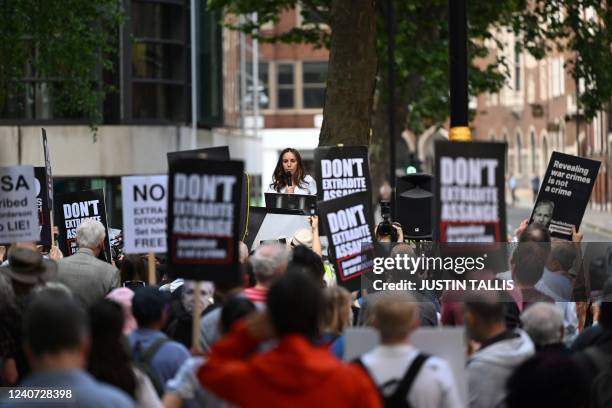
53, 243
151, 268
195, 331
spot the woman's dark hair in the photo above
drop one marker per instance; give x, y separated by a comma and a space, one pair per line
278, 178
133, 269
108, 359
233, 310
311, 263
295, 304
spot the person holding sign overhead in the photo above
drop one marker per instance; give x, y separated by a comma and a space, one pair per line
290, 177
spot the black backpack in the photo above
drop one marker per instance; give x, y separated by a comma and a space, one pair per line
399, 398
142, 360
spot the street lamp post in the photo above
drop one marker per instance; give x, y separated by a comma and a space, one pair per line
458, 74
391, 83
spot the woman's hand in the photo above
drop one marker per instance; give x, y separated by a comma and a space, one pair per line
290, 189
314, 223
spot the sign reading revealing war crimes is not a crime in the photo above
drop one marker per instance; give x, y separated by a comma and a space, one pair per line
564, 194
470, 191
348, 223
203, 218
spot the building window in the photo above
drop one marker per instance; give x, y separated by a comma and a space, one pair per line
285, 86
312, 16
264, 90
544, 151
159, 79
517, 68
533, 153
314, 78
33, 99
519, 153
262, 85
508, 164
210, 66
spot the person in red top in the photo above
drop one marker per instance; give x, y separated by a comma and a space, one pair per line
296, 373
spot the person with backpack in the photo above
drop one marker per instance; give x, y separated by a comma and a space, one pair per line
404, 376
151, 350
109, 360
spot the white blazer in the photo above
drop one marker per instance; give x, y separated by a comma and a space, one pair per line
307, 186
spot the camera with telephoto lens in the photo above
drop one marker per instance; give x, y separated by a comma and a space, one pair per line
385, 228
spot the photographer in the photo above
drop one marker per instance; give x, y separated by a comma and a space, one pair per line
388, 231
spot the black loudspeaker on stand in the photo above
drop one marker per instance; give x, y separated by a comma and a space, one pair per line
414, 205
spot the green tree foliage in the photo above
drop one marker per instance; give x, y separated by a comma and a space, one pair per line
582, 27
422, 45
60, 46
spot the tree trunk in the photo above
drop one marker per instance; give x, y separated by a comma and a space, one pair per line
351, 74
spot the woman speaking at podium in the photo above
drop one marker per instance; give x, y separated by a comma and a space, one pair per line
289, 175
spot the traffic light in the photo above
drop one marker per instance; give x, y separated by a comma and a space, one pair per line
414, 164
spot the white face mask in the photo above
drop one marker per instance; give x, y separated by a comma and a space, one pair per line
207, 289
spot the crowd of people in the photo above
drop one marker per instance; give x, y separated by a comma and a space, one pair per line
274, 335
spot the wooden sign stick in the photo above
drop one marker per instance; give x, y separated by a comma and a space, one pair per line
195, 333
151, 268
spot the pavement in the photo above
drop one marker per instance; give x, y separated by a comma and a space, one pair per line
594, 220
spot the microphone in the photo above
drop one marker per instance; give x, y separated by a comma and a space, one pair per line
289, 179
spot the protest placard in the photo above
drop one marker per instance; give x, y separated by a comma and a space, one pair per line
348, 225
219, 153
341, 170
216, 152
564, 194
144, 213
470, 192
42, 203
76, 207
203, 218
48, 168
18, 209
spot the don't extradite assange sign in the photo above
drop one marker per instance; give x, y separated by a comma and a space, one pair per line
203, 218
470, 192
341, 170
348, 225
